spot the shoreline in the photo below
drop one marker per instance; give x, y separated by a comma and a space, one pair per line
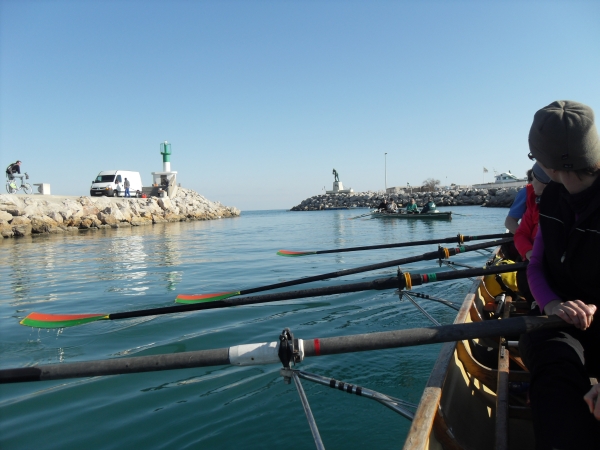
24, 215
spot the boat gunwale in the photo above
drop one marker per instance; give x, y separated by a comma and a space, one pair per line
423, 422
439, 215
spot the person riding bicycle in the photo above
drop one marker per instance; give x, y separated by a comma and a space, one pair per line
12, 169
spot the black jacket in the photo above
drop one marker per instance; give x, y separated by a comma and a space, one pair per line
571, 232
13, 168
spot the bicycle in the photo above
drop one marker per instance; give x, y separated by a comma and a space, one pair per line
11, 184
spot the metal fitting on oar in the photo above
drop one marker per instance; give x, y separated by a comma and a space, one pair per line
461, 238
444, 253
290, 351
404, 277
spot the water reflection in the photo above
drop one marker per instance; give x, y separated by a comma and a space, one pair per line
124, 262
168, 252
339, 228
19, 274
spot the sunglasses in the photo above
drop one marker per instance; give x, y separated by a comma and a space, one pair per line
531, 157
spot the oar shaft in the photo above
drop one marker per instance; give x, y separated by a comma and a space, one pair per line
416, 243
152, 363
383, 265
383, 283
379, 284
431, 335
269, 351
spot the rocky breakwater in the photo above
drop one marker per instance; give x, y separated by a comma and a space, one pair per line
458, 197
25, 215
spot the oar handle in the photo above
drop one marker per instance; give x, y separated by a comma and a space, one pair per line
430, 335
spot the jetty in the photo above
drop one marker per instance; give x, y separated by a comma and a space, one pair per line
23, 215
500, 197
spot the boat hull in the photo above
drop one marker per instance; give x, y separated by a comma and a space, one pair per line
446, 215
458, 406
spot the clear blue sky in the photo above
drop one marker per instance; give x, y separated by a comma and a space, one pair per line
262, 99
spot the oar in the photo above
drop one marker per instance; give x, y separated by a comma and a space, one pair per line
440, 253
268, 352
458, 239
405, 280
358, 217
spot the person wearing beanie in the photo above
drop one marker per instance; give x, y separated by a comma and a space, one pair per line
563, 271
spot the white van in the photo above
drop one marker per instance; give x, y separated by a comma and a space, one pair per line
106, 183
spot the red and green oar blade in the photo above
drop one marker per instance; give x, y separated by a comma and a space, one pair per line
38, 320
202, 298
291, 253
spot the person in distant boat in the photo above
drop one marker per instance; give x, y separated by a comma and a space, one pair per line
127, 185
12, 169
383, 205
392, 207
429, 206
563, 277
412, 207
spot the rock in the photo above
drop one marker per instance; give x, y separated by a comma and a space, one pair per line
42, 224
11, 204
6, 230
22, 229
90, 221
20, 220
139, 221
158, 219
56, 216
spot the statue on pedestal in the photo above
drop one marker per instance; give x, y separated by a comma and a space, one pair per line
338, 187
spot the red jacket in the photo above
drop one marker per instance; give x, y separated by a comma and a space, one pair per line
529, 224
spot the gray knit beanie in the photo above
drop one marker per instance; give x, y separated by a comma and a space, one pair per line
563, 136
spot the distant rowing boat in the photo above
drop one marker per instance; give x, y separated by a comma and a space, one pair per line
445, 215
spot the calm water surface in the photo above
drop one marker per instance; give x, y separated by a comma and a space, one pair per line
109, 271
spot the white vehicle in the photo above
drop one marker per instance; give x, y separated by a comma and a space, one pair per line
110, 183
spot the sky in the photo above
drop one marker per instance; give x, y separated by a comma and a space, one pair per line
261, 100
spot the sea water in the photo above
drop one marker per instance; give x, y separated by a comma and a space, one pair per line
107, 271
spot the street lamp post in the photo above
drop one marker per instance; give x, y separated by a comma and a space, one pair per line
385, 167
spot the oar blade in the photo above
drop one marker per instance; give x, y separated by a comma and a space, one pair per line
291, 253
203, 298
39, 320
